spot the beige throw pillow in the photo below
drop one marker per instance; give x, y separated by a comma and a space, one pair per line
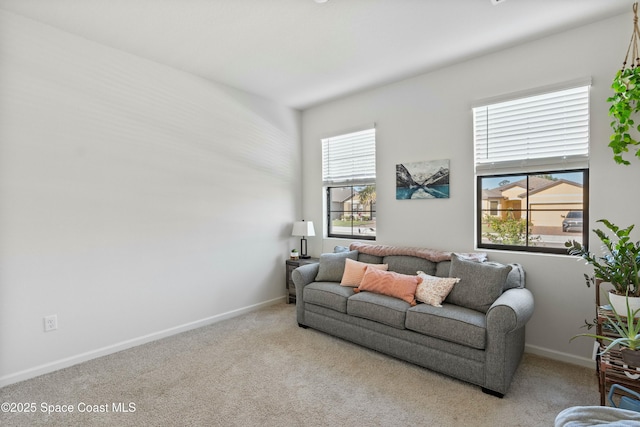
354, 272
433, 290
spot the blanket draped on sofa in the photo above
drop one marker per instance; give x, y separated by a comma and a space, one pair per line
429, 254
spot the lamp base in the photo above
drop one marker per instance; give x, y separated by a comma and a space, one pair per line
303, 248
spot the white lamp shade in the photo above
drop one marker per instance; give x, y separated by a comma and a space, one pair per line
303, 228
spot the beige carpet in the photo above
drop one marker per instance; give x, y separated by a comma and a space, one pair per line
261, 369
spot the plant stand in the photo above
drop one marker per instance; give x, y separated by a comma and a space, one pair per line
609, 366
614, 371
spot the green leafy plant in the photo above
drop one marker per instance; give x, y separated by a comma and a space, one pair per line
367, 196
628, 331
625, 103
506, 231
619, 265
625, 100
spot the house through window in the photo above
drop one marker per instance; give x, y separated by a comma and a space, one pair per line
349, 177
532, 171
532, 211
352, 211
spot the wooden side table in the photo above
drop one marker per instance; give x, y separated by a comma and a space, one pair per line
290, 287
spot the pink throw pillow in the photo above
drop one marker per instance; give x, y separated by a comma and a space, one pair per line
390, 283
354, 272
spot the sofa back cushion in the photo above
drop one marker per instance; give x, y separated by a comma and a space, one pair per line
369, 259
405, 264
331, 266
481, 283
515, 279
443, 268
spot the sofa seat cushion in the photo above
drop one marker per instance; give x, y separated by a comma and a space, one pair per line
328, 294
450, 322
378, 308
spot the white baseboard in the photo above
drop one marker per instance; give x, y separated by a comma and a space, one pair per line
559, 356
93, 354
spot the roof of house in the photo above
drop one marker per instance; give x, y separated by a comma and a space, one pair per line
492, 194
536, 185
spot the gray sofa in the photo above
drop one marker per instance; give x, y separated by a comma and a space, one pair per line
477, 335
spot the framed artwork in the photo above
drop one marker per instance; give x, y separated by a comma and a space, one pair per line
422, 180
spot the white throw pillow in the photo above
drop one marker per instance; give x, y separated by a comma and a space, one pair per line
433, 290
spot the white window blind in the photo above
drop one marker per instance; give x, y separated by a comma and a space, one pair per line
349, 158
549, 130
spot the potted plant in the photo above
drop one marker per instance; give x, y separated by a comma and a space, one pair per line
618, 266
294, 254
629, 335
625, 101
624, 105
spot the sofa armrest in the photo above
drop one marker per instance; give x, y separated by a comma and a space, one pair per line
506, 320
511, 311
301, 277
304, 275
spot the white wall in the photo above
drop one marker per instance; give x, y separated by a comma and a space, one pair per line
135, 200
429, 117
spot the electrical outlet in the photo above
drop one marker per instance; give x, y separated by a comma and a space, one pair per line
51, 323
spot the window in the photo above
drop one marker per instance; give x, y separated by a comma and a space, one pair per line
532, 211
349, 177
532, 171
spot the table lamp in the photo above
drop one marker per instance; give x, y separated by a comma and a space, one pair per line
303, 228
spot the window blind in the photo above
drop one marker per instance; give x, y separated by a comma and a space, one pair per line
349, 158
550, 130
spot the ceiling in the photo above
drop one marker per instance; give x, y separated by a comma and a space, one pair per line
301, 53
